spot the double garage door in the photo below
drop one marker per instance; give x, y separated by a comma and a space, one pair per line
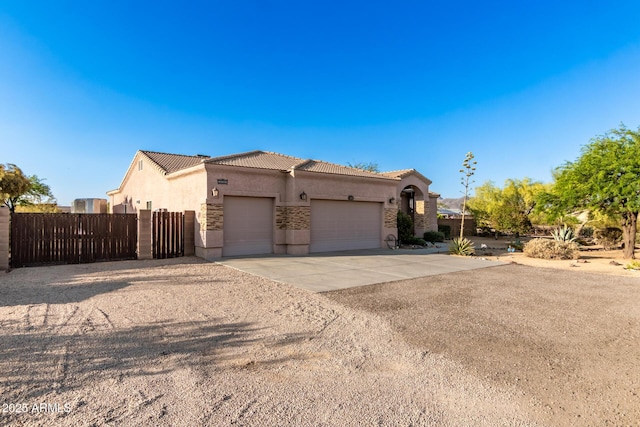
335, 225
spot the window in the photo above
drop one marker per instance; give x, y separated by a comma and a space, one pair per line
149, 205
140, 165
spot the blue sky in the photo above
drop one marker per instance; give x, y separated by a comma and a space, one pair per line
413, 84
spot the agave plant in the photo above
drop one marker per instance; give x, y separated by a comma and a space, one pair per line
564, 234
462, 246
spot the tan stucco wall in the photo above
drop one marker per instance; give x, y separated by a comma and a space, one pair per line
177, 192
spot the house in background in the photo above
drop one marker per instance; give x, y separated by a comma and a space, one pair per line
261, 202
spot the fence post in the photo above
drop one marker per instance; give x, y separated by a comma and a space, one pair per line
189, 233
145, 238
5, 231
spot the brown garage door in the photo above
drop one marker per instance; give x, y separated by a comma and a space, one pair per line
344, 225
248, 226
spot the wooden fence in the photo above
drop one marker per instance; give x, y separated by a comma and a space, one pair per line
38, 239
168, 234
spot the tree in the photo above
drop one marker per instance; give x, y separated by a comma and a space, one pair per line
17, 189
468, 170
604, 179
369, 167
509, 208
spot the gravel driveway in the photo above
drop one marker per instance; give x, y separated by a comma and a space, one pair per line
189, 343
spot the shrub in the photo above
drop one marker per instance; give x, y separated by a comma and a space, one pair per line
551, 249
434, 236
405, 226
633, 265
608, 237
462, 246
446, 230
414, 241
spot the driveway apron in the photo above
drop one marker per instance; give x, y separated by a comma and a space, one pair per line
340, 270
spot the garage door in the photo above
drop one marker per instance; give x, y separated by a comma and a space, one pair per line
344, 225
248, 226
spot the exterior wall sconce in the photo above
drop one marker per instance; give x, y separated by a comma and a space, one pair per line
392, 200
303, 196
350, 197
215, 192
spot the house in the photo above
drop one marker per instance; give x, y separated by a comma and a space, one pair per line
262, 202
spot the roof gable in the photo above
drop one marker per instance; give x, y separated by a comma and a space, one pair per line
400, 174
169, 163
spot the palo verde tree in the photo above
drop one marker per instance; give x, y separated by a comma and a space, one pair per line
509, 208
17, 189
604, 179
468, 170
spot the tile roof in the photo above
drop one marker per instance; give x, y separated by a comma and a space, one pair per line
257, 159
169, 163
332, 168
399, 174
276, 161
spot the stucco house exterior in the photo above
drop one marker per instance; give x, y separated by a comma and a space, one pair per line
262, 202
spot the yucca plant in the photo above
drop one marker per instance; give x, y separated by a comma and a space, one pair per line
564, 234
462, 246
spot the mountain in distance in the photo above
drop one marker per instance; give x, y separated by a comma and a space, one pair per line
451, 203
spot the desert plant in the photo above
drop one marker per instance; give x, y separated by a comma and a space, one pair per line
434, 236
608, 237
633, 265
414, 241
551, 249
462, 246
564, 234
405, 226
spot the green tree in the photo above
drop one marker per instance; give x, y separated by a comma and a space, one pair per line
510, 208
369, 167
604, 179
17, 189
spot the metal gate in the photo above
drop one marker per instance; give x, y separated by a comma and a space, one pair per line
168, 234
44, 238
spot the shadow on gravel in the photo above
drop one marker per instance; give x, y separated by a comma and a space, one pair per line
69, 284
41, 361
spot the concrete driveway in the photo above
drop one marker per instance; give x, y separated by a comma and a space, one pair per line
339, 270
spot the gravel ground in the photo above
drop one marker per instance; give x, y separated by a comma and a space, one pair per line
566, 344
189, 343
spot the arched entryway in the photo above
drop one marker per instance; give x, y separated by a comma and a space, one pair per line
412, 203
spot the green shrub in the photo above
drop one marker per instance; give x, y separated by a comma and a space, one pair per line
414, 241
434, 236
462, 246
446, 230
551, 249
608, 237
405, 226
633, 265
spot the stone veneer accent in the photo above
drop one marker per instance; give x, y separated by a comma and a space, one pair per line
390, 217
419, 214
293, 217
211, 217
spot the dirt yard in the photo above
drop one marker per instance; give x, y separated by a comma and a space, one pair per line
189, 343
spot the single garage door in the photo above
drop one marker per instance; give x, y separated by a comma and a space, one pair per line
344, 225
248, 226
